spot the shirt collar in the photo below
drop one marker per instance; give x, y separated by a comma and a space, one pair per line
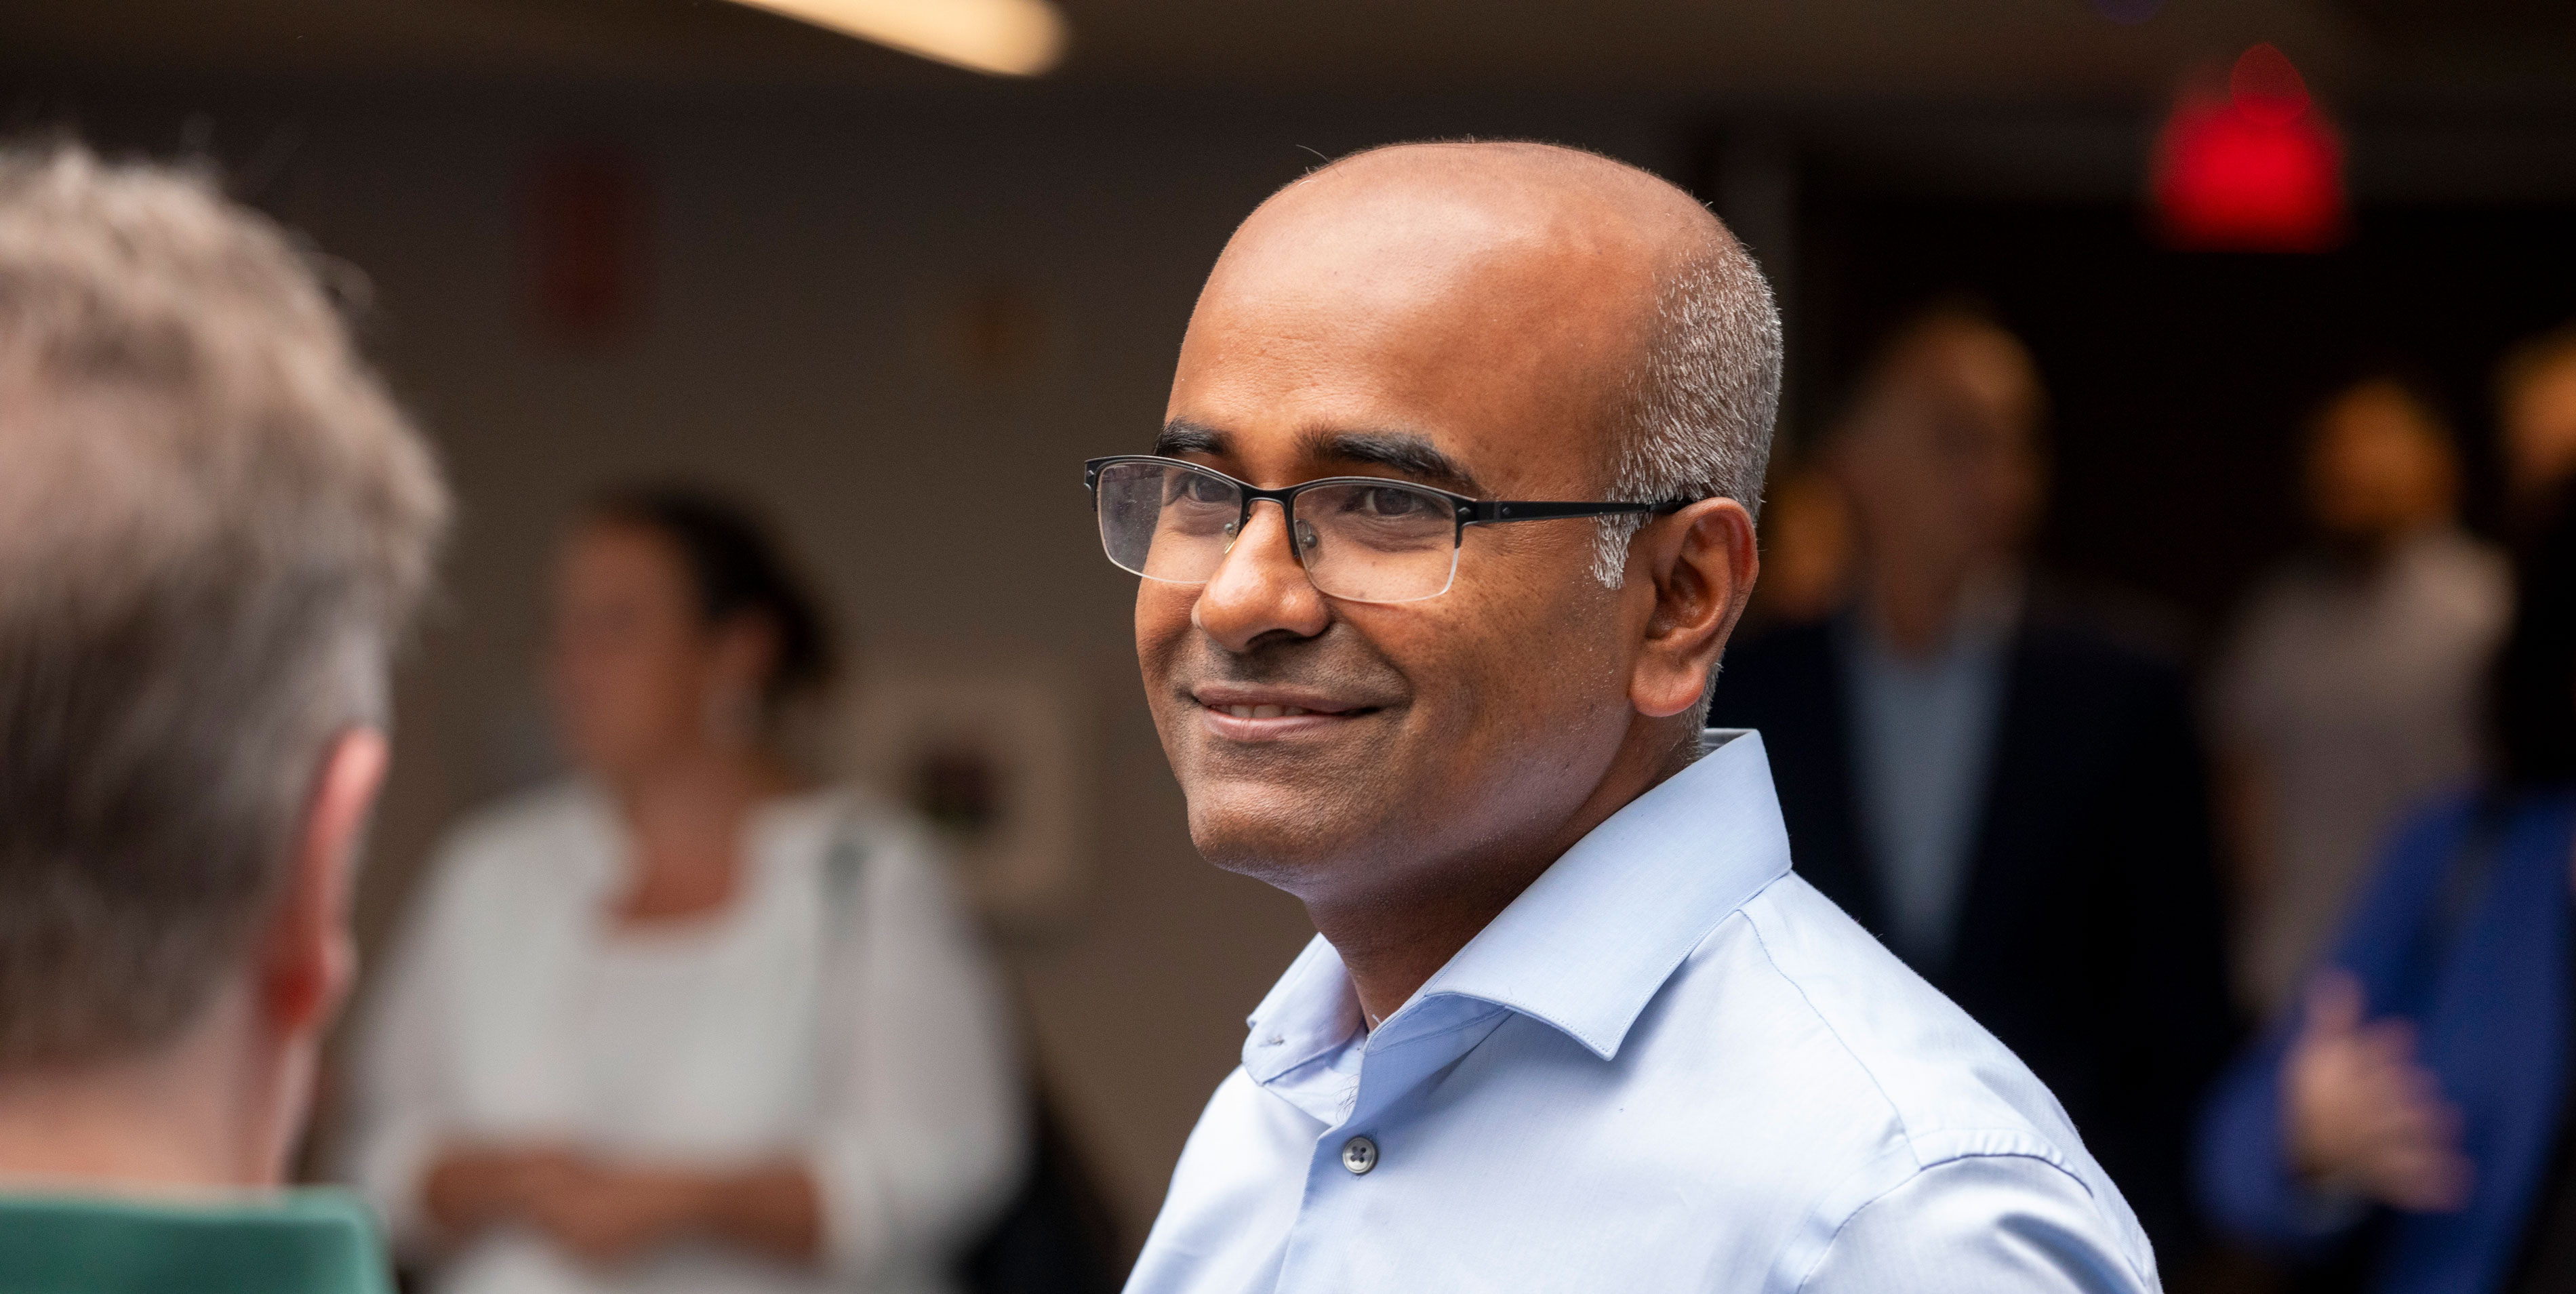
1593, 939
294, 1242
1311, 1011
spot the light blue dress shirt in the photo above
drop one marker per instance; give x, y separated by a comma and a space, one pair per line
1669, 1065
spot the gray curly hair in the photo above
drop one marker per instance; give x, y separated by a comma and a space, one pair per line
213, 521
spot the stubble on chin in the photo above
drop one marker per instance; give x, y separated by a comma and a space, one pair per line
1299, 820
1281, 832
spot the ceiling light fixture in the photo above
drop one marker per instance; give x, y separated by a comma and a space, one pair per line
1002, 37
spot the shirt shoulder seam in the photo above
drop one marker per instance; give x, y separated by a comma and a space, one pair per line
1895, 1111
2033, 1145
1923, 1166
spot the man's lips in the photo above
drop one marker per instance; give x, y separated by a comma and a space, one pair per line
1259, 713
1271, 711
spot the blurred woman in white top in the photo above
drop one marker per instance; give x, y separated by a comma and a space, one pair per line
684, 1023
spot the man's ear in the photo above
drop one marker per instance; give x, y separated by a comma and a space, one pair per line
1701, 563
309, 959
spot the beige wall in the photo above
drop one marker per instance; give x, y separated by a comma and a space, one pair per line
811, 264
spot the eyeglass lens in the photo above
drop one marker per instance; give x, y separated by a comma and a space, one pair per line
1372, 542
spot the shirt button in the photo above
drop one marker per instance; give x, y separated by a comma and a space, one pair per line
1359, 1154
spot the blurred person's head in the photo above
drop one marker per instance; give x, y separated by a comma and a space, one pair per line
1940, 455
213, 524
2536, 407
2531, 691
1806, 548
679, 629
1505, 321
2380, 465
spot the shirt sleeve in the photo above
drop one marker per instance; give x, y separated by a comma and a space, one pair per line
922, 1127
1987, 1224
2245, 1181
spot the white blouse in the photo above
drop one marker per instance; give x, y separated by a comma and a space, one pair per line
838, 1009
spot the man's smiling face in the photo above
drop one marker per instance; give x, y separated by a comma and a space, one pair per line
1459, 335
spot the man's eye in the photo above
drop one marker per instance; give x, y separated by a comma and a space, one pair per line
1202, 490
1383, 502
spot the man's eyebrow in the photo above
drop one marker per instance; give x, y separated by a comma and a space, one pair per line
1406, 452
1182, 436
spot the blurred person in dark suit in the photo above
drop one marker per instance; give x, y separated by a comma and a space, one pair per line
2349, 689
2410, 1129
2012, 799
687, 1020
213, 523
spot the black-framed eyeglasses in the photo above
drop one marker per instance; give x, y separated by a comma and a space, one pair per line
1361, 538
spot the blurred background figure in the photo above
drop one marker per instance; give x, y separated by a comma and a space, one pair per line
2350, 689
2409, 1129
2012, 800
687, 1022
2536, 414
1806, 549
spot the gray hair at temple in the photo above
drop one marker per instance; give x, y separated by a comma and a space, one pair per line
1694, 415
214, 523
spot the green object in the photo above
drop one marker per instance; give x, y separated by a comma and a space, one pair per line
292, 1242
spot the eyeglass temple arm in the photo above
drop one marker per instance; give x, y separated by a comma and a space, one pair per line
1523, 510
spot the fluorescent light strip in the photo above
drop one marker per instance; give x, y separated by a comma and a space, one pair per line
1003, 37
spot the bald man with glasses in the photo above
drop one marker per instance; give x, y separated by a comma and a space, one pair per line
1449, 521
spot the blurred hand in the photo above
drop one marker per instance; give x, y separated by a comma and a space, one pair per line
609, 1215
469, 1188
2361, 1115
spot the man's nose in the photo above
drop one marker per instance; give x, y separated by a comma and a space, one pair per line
1260, 587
